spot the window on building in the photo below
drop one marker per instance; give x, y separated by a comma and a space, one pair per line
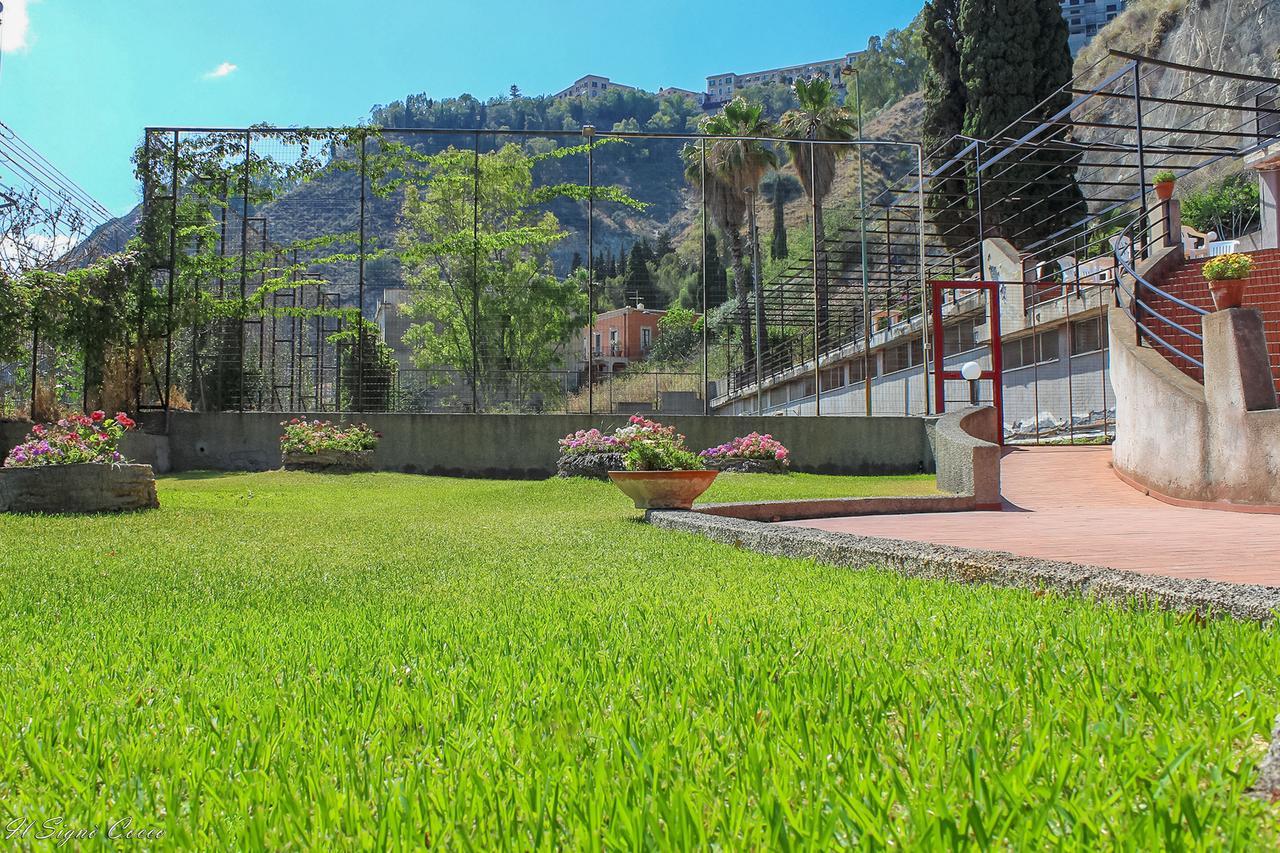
802, 388
1088, 335
960, 337
1033, 349
597, 343
855, 370
901, 356
646, 338
832, 378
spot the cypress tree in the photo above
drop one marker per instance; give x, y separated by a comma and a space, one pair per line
717, 275
778, 242
944, 108
992, 62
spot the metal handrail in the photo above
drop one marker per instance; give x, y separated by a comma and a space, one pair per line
1125, 250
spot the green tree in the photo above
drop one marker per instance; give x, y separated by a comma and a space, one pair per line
778, 189
819, 118
486, 303
944, 108
638, 282
991, 63
679, 336
1230, 208
732, 166
369, 368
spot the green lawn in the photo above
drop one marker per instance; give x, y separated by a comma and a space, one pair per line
385, 660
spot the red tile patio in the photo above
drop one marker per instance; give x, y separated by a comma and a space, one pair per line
1065, 503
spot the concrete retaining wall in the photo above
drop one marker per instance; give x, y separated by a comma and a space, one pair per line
1216, 445
525, 445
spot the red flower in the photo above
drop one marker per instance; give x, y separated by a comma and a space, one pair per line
99, 415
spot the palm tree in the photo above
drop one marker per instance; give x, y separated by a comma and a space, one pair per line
733, 166
820, 116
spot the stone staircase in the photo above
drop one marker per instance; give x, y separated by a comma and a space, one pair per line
1187, 283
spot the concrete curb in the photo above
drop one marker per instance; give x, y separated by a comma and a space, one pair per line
969, 565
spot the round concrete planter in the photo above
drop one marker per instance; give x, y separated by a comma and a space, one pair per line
663, 489
749, 466
330, 461
81, 488
1228, 292
594, 465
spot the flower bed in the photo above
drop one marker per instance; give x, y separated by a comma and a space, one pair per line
589, 453
749, 454
75, 466
326, 447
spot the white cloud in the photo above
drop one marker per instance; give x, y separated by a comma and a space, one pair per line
15, 26
222, 70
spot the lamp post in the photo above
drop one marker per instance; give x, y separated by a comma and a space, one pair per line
973, 372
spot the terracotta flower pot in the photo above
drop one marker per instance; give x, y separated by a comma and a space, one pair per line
1164, 190
1228, 292
663, 489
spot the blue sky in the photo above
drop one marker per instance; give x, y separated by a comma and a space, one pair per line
81, 78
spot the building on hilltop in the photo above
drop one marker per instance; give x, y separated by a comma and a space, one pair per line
591, 85
669, 91
722, 87
1086, 17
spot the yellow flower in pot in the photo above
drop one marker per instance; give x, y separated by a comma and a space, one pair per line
1228, 276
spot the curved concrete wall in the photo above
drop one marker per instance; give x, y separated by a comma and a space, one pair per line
967, 451
1188, 443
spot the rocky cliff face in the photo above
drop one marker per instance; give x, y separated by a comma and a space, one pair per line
1241, 36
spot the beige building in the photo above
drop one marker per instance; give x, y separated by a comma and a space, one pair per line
722, 87
591, 85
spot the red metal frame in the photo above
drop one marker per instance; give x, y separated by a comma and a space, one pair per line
941, 375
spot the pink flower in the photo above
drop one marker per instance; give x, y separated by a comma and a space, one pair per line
99, 415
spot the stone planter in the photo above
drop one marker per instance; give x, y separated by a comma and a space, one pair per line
663, 489
81, 488
1228, 292
749, 466
330, 461
594, 465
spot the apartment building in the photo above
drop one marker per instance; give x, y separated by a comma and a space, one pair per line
722, 87
592, 85
1086, 17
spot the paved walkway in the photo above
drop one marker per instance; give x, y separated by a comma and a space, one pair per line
1065, 503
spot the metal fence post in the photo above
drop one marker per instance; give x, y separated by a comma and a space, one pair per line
360, 353
819, 289
173, 272
702, 185
590, 133
925, 343
244, 261
475, 273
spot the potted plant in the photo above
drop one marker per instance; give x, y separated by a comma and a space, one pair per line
661, 473
75, 465
1228, 276
749, 454
590, 453
326, 447
1164, 181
